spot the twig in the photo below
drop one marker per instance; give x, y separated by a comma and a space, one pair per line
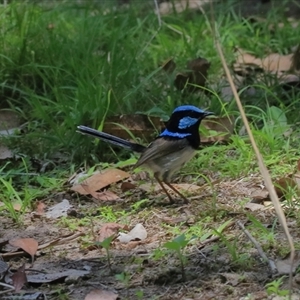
259, 249
11, 288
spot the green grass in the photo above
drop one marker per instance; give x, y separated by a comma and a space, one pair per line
68, 64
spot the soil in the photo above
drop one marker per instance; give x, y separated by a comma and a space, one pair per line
226, 267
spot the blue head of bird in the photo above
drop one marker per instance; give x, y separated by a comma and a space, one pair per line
184, 123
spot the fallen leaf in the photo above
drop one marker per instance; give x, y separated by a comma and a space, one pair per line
283, 184
62, 240
272, 63
58, 210
137, 233
259, 194
195, 76
5, 152
105, 196
254, 206
222, 127
19, 278
40, 208
101, 295
169, 66
107, 230
276, 63
232, 279
268, 203
50, 277
284, 265
17, 206
126, 186
29, 245
99, 181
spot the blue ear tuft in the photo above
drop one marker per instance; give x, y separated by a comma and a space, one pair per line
189, 107
187, 122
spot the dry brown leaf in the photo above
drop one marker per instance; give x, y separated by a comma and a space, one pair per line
101, 295
289, 80
19, 278
99, 181
283, 184
259, 194
40, 208
126, 186
17, 206
29, 245
232, 279
276, 63
244, 58
273, 63
109, 229
222, 126
196, 74
62, 240
169, 66
105, 196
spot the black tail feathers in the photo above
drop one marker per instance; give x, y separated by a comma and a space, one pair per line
110, 139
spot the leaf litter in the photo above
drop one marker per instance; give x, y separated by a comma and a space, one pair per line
147, 237
72, 261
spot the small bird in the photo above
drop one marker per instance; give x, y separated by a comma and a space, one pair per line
175, 146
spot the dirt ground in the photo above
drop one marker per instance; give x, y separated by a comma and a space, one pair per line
66, 266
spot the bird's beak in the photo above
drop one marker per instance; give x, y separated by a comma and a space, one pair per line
208, 113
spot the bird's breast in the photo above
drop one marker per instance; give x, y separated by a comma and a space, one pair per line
165, 166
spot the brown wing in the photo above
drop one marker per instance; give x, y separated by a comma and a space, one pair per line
159, 148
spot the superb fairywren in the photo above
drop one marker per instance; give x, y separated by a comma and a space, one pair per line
176, 145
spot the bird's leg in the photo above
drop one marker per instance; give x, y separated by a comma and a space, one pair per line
177, 192
165, 190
